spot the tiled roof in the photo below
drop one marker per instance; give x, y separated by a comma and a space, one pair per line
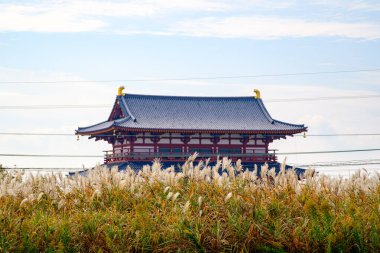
194, 113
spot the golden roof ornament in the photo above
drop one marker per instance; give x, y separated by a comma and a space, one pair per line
257, 94
120, 91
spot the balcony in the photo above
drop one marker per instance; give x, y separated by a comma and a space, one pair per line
110, 157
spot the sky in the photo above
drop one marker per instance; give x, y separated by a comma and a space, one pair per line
135, 43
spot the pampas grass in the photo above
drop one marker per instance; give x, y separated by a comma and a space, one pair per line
197, 209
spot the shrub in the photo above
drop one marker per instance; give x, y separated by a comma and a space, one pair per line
197, 209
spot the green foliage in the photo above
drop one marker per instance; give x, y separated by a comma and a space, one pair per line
195, 210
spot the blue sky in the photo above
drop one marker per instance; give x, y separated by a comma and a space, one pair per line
118, 40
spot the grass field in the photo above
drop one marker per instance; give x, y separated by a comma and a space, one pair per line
195, 210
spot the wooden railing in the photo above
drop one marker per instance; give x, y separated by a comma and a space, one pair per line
110, 157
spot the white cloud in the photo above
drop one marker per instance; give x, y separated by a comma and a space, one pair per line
88, 16
350, 5
260, 27
141, 8
82, 15
44, 18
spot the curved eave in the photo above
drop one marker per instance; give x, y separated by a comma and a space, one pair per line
288, 124
77, 132
101, 127
232, 131
301, 128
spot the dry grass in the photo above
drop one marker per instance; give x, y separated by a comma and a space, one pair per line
196, 210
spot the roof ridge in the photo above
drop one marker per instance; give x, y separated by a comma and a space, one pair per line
189, 97
122, 120
126, 108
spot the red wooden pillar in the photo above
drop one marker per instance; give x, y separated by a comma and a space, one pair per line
215, 139
132, 138
155, 139
244, 140
185, 140
267, 140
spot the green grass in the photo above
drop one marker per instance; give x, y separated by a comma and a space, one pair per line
110, 211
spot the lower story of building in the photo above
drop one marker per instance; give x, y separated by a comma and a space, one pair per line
180, 153
177, 147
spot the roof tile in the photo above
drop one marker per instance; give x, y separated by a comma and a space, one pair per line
195, 113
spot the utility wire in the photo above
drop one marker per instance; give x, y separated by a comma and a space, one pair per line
319, 164
350, 170
329, 151
93, 106
320, 98
55, 155
48, 169
192, 78
340, 163
51, 169
38, 134
287, 153
337, 135
34, 107
126, 135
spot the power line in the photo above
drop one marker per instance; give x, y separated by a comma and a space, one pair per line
329, 151
125, 135
93, 106
52, 155
315, 165
47, 169
287, 153
191, 78
320, 98
338, 135
350, 170
35, 107
340, 163
52, 169
39, 134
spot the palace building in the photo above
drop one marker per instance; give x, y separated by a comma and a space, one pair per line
143, 127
